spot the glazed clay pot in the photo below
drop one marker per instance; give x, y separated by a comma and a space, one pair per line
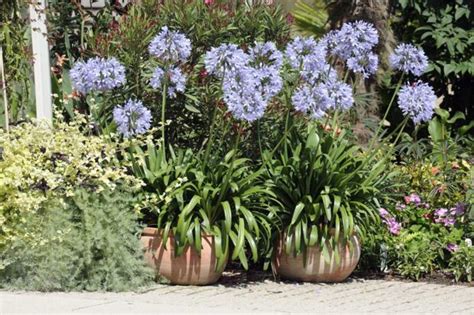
316, 269
189, 268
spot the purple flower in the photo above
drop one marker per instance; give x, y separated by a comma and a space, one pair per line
270, 82
458, 210
170, 46
408, 58
353, 39
417, 101
302, 49
393, 226
313, 100
400, 206
340, 94
412, 198
176, 80
243, 94
156, 80
452, 247
225, 58
132, 118
384, 213
449, 221
266, 55
443, 216
317, 70
364, 63
97, 74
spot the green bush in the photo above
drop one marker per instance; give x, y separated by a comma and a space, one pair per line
39, 165
444, 30
461, 263
89, 241
413, 254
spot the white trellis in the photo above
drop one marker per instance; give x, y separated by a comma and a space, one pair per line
42, 71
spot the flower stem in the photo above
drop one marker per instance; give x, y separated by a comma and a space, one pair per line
379, 128
163, 117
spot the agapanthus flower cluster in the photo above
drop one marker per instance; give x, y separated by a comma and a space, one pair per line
449, 217
321, 90
353, 39
354, 43
248, 90
317, 99
266, 55
132, 118
97, 74
170, 46
317, 70
176, 80
249, 81
365, 64
417, 101
408, 58
393, 225
302, 49
312, 100
224, 59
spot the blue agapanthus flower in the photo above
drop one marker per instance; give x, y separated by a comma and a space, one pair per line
353, 39
271, 82
97, 74
132, 118
417, 101
408, 58
312, 100
242, 95
176, 80
225, 58
340, 93
317, 70
266, 55
365, 64
170, 46
302, 49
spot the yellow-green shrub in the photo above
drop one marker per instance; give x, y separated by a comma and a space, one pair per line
39, 163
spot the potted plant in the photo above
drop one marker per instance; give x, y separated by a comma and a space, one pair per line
327, 194
207, 212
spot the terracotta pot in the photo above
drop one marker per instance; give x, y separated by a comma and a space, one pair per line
189, 268
316, 269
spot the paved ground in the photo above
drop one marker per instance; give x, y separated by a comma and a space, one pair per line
354, 296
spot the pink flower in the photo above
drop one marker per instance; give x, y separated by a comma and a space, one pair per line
441, 212
383, 213
449, 221
412, 198
393, 226
400, 206
208, 2
452, 247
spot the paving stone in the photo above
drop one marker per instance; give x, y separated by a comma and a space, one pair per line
354, 296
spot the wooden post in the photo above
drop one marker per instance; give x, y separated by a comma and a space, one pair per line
4, 90
42, 71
